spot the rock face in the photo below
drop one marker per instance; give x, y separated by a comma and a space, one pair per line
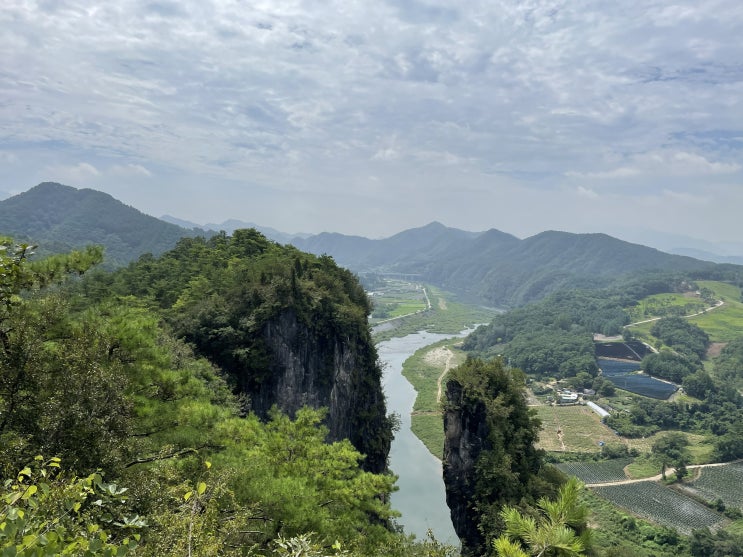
336, 371
465, 439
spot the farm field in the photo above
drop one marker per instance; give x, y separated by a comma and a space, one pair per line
720, 482
596, 472
722, 324
572, 429
725, 323
666, 305
661, 505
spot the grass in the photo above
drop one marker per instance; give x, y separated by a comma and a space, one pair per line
666, 304
725, 323
423, 370
429, 428
580, 429
722, 324
700, 448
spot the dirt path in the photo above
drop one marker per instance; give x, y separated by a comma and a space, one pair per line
718, 304
659, 476
447, 367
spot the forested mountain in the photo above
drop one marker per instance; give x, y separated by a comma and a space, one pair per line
492, 267
59, 218
194, 380
499, 269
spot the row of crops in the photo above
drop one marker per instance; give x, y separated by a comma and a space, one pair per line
596, 472
661, 505
720, 482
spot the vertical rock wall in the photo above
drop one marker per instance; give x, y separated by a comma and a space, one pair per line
465, 439
339, 372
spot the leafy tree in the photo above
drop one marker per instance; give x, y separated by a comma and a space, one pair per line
682, 336
47, 512
509, 468
671, 449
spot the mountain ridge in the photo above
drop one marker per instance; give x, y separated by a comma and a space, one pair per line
60, 218
490, 267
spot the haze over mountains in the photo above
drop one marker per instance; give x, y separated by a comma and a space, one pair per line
492, 267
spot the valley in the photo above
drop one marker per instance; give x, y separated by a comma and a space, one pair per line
396, 379
576, 431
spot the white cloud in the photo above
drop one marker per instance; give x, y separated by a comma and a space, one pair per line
307, 97
82, 173
130, 170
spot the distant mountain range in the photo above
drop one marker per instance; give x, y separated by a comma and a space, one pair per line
229, 226
498, 268
491, 267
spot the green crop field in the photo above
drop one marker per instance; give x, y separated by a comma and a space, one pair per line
722, 324
660, 305
720, 482
725, 323
596, 472
661, 505
446, 315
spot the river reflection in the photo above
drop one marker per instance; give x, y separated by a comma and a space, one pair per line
421, 498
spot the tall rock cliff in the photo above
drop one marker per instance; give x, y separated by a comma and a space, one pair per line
339, 373
288, 328
465, 438
489, 455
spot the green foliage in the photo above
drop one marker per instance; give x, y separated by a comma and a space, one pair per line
61, 218
668, 365
672, 450
729, 364
718, 544
48, 512
682, 336
559, 528
509, 470
553, 337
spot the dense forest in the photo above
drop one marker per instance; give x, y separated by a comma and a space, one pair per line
223, 396
116, 433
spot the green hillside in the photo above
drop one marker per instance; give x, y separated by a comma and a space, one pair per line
59, 218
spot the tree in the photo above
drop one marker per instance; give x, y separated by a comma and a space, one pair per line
671, 449
46, 512
560, 528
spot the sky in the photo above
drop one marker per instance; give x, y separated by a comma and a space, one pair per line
371, 117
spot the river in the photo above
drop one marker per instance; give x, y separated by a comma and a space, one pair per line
421, 498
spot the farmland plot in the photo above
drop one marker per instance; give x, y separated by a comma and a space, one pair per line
571, 429
661, 505
596, 472
721, 482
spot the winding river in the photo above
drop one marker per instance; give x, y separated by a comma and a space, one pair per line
421, 498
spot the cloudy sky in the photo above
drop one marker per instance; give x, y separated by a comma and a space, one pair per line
370, 117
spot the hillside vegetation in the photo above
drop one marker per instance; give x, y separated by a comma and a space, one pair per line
117, 437
60, 218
